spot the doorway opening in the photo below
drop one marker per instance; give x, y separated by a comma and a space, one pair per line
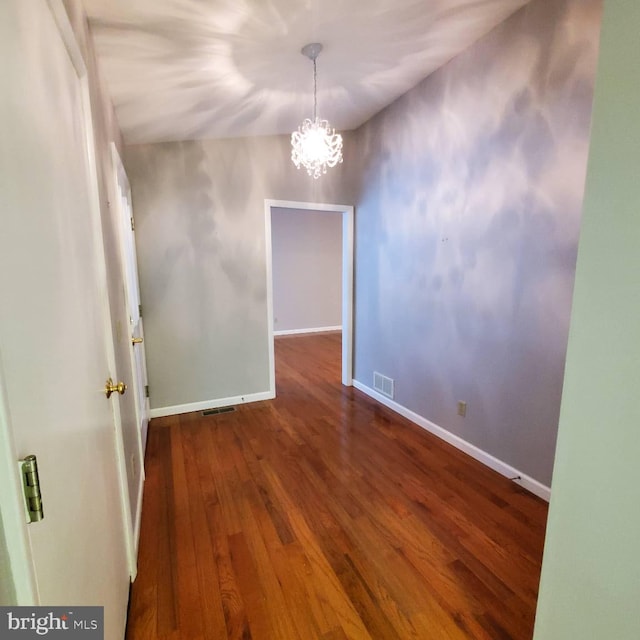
347, 278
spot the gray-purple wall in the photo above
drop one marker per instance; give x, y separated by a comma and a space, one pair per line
468, 194
467, 223
306, 250
200, 234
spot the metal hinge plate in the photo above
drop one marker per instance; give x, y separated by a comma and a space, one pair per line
31, 489
146, 390
133, 224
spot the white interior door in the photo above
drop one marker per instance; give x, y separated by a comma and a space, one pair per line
53, 329
124, 210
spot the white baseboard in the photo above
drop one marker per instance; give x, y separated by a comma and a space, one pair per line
160, 412
291, 332
487, 459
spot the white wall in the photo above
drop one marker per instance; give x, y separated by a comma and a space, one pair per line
590, 584
307, 269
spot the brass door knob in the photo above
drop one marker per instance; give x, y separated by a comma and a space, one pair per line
137, 340
110, 388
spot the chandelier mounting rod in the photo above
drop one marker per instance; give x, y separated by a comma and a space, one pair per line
312, 51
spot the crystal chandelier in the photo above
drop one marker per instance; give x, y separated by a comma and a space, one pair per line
315, 145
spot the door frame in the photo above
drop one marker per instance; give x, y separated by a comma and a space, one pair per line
12, 508
22, 579
347, 212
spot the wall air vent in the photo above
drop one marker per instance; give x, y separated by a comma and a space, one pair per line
383, 385
215, 412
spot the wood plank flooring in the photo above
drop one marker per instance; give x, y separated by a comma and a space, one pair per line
324, 515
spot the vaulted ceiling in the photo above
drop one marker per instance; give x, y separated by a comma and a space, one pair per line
186, 69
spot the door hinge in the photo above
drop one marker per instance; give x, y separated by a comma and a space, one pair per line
146, 390
31, 489
140, 310
133, 224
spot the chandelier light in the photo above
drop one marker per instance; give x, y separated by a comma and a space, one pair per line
315, 145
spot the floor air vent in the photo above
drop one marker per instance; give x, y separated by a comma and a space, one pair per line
382, 384
215, 412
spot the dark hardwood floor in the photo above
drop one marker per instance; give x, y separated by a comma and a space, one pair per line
322, 514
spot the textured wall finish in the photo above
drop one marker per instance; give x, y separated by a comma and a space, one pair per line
468, 196
188, 69
466, 232
307, 269
200, 232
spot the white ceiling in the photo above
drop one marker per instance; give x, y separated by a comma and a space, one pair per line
185, 69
